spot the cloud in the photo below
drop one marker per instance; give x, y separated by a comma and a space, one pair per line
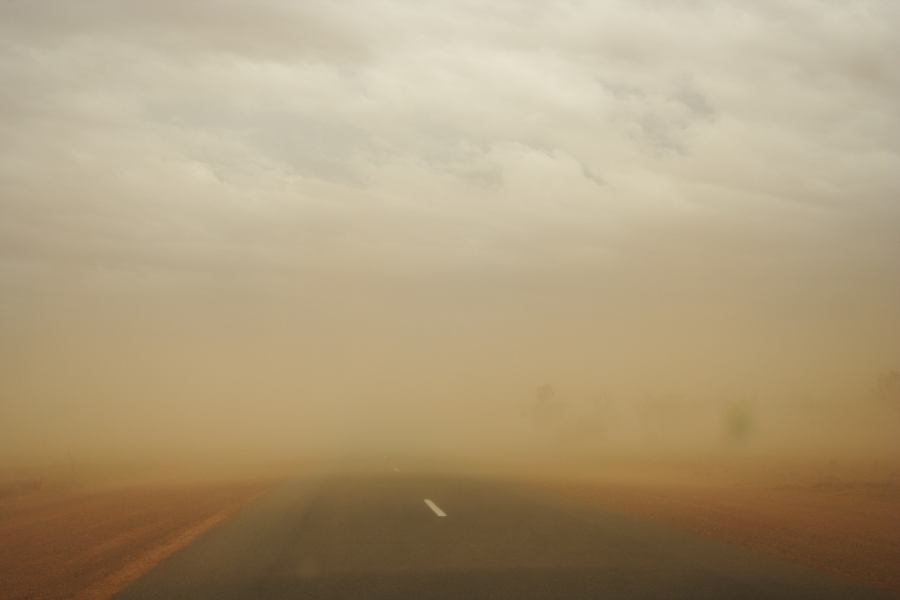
370, 111
544, 170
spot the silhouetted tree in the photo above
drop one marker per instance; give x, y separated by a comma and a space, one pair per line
739, 422
887, 387
546, 407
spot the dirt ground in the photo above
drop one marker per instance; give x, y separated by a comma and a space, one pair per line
89, 544
848, 526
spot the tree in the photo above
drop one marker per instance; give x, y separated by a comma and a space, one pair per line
887, 387
739, 422
546, 407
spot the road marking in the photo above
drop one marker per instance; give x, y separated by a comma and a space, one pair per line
437, 509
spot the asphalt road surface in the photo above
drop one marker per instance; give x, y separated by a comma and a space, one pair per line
396, 535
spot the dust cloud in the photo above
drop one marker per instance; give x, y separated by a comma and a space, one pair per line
556, 234
441, 370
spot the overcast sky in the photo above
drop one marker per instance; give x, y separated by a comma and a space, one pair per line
704, 186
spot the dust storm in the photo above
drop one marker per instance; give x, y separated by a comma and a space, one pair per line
644, 254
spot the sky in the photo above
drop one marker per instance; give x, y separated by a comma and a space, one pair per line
288, 225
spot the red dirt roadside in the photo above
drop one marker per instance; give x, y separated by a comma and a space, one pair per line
91, 544
849, 529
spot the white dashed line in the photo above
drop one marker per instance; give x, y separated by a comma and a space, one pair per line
437, 510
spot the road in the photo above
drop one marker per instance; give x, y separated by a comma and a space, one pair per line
391, 534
